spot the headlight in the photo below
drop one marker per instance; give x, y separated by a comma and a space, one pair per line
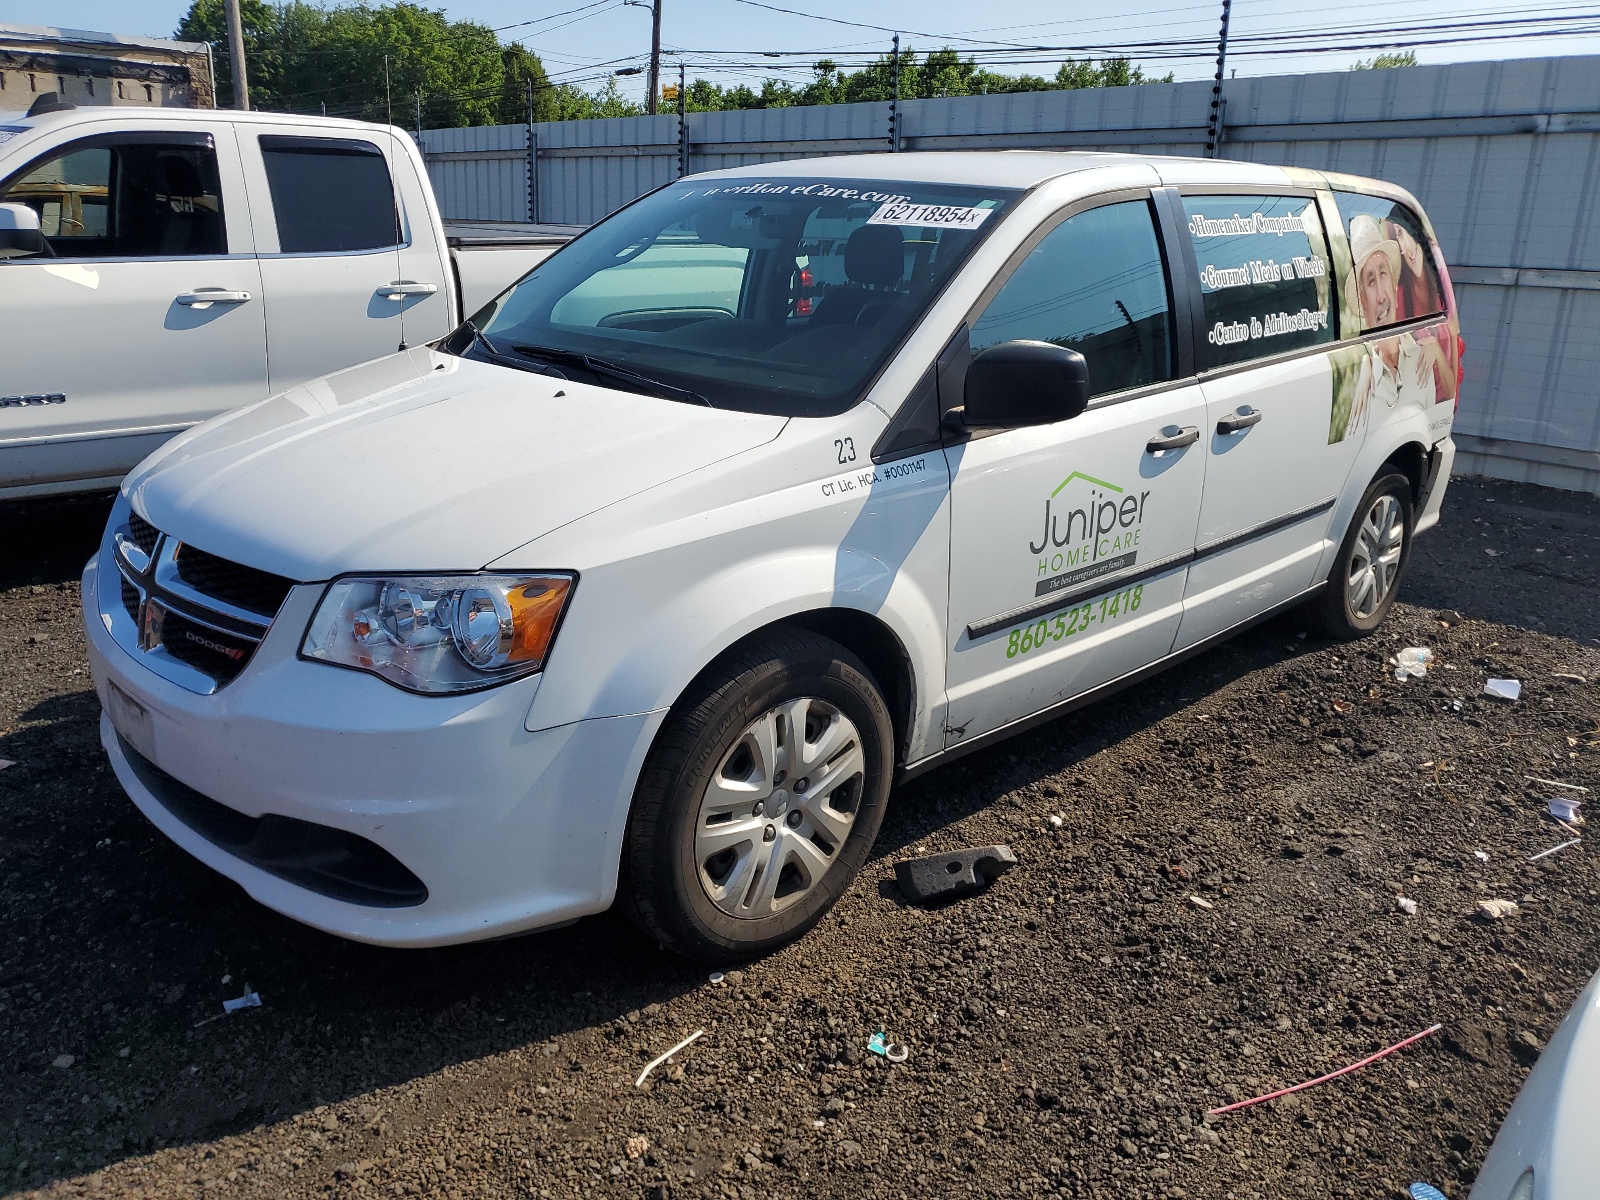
439, 633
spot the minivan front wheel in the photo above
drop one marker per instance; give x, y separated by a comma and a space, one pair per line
1366, 576
760, 801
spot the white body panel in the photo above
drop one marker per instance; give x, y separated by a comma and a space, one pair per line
134, 365
1551, 1127
689, 529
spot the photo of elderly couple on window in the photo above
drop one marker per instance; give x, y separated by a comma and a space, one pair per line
1393, 281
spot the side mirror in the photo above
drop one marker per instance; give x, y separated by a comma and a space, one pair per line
19, 232
1025, 383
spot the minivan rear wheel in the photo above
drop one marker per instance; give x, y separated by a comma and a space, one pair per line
1366, 575
760, 800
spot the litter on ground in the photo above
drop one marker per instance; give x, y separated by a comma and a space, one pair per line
1425, 1191
1571, 787
1311, 1083
248, 1000
1497, 909
1481, 855
958, 873
1406, 905
882, 1046
661, 1058
1553, 849
1201, 902
1503, 689
1565, 809
1412, 663
6, 762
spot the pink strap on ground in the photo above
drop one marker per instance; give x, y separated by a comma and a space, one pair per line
1310, 1083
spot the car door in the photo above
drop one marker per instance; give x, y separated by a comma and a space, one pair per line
1069, 542
1274, 471
144, 317
339, 271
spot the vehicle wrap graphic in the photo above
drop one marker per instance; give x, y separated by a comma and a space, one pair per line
1090, 528
1390, 278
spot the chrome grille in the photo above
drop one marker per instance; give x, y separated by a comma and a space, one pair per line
194, 618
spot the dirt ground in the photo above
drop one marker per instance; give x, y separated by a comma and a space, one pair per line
1214, 916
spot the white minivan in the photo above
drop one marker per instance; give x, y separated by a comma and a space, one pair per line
779, 485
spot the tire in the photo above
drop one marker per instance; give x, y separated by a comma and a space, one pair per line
723, 888
1369, 561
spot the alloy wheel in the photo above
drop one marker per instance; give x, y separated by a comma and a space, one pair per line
1375, 557
779, 808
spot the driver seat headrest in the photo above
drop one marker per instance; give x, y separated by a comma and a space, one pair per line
875, 255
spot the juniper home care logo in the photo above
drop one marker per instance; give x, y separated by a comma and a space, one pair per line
1091, 528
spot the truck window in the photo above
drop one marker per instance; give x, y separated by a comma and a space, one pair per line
1096, 285
122, 196
1264, 277
330, 194
1395, 278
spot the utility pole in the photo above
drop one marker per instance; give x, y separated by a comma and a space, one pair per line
241, 84
419, 116
894, 104
1214, 125
388, 100
683, 122
533, 160
655, 55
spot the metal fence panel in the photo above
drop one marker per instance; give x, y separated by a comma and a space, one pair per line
1505, 156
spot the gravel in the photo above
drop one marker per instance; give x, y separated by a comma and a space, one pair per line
1205, 909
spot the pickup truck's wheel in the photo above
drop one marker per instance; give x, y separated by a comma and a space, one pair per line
1366, 576
760, 801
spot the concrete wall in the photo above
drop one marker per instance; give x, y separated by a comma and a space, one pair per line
1505, 156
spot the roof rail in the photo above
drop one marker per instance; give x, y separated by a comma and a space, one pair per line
49, 102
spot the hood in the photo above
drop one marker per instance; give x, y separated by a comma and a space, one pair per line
421, 462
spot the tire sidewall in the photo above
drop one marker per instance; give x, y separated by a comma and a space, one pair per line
832, 679
1389, 483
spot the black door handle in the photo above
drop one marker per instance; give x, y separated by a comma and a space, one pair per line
1173, 438
1239, 420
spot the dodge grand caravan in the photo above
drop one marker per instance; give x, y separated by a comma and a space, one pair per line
781, 484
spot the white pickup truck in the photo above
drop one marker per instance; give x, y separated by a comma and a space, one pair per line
160, 266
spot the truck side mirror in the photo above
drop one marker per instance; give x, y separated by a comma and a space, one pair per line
19, 232
1025, 383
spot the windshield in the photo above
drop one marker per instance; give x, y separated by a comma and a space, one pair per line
780, 296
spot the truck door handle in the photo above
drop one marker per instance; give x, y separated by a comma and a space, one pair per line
206, 297
1239, 420
401, 288
1173, 437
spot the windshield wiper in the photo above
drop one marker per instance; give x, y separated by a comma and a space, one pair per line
480, 341
602, 369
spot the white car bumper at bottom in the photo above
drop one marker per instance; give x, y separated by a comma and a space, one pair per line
364, 810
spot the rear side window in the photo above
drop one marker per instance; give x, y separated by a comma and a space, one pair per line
329, 194
1095, 284
1264, 277
126, 196
1395, 278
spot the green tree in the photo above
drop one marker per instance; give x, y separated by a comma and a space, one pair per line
1390, 58
365, 60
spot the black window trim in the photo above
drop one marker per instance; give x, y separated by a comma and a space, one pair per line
348, 147
195, 139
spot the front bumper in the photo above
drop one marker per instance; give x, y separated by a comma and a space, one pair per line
507, 830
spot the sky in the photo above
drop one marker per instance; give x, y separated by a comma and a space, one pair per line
583, 41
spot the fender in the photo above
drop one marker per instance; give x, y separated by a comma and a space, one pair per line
721, 571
